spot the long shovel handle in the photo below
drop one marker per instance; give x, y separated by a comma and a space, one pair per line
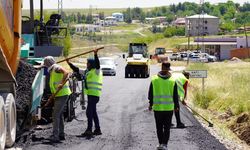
80, 54
210, 124
53, 95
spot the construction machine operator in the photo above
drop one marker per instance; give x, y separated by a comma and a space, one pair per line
93, 86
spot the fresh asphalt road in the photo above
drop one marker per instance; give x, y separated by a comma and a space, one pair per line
125, 122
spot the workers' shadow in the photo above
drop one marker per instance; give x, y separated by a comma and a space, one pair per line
42, 140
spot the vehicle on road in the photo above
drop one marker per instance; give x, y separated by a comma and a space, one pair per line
108, 66
210, 58
196, 58
137, 61
174, 57
160, 54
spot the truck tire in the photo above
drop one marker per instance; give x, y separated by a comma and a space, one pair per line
10, 108
2, 124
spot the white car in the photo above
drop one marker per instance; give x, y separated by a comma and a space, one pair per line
108, 66
197, 58
210, 58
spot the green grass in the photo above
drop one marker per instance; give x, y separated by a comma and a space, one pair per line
125, 26
168, 43
227, 87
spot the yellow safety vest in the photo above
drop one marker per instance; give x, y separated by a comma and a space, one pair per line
94, 83
55, 80
180, 80
163, 91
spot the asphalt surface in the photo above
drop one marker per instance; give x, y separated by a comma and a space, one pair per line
125, 122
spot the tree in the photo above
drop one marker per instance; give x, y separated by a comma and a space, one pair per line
127, 15
79, 18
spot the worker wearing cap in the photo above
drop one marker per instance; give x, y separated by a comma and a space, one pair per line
182, 83
93, 86
163, 99
57, 77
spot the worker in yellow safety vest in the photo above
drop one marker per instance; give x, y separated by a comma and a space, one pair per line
57, 77
163, 99
93, 88
182, 83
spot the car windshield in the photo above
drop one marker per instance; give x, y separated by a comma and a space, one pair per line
106, 62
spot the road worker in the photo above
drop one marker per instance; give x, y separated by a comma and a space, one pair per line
163, 99
93, 86
182, 83
57, 76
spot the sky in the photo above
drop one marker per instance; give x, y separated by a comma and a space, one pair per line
52, 4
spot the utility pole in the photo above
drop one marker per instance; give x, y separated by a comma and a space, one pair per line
60, 6
188, 41
245, 30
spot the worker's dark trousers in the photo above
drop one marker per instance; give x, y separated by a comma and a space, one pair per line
177, 116
163, 124
91, 112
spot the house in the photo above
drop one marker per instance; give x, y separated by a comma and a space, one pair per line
179, 22
219, 47
119, 17
149, 20
80, 28
110, 21
201, 24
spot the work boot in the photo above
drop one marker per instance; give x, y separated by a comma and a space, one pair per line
61, 137
165, 146
181, 126
160, 147
97, 132
87, 133
53, 139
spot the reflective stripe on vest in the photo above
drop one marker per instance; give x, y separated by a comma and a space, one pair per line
180, 80
94, 83
163, 90
55, 80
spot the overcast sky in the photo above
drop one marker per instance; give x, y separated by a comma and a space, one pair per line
52, 4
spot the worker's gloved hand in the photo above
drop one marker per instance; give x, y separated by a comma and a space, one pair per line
67, 60
60, 86
184, 103
95, 51
176, 109
150, 108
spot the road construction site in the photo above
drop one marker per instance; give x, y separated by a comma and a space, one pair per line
125, 121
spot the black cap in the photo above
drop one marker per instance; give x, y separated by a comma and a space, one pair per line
166, 65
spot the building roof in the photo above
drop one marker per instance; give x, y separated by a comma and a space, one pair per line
202, 16
225, 39
110, 17
121, 14
210, 43
180, 21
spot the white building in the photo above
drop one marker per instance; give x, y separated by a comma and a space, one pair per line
202, 24
110, 21
80, 28
242, 43
119, 17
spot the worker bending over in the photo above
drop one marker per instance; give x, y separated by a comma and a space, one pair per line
182, 83
57, 77
163, 99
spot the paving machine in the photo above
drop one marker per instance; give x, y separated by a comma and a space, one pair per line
21, 86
